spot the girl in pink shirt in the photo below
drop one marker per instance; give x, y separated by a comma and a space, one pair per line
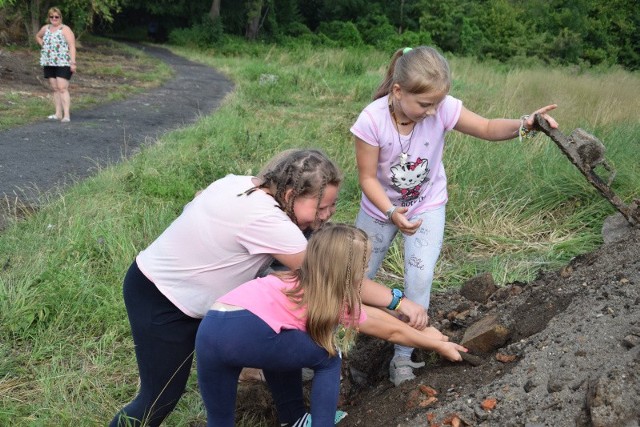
399, 144
227, 235
287, 321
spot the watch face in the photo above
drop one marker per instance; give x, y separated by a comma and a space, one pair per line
397, 293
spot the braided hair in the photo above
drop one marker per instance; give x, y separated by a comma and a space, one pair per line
306, 172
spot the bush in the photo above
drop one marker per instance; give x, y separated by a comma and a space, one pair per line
345, 34
203, 34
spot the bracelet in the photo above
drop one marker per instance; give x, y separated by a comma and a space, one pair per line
396, 297
389, 212
523, 132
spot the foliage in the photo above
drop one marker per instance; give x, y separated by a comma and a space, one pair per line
582, 32
203, 34
345, 34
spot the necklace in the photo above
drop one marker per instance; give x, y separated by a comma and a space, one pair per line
404, 155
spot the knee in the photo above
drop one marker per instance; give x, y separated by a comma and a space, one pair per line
331, 364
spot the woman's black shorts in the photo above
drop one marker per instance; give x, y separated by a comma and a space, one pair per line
53, 72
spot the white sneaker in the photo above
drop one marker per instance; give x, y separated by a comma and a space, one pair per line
401, 370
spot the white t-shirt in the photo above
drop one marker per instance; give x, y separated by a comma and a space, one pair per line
419, 184
220, 241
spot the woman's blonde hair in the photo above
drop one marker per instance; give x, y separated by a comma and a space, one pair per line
306, 172
54, 10
329, 283
420, 70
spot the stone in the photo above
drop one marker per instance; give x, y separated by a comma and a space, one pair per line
485, 335
613, 398
615, 228
479, 288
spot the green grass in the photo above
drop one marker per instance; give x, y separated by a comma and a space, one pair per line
66, 356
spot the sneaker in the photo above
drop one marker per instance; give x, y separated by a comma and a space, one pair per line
305, 420
307, 374
401, 370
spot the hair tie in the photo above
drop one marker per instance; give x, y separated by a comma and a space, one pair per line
406, 50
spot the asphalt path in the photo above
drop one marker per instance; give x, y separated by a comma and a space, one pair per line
46, 156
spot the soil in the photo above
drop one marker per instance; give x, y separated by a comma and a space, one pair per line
563, 350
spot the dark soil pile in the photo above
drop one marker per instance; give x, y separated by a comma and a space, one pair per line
570, 353
563, 350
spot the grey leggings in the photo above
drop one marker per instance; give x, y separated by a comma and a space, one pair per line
421, 251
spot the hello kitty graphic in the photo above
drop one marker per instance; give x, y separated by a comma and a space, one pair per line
410, 177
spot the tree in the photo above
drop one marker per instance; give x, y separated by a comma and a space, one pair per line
78, 14
254, 17
214, 13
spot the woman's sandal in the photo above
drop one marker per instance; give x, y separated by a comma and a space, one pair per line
53, 117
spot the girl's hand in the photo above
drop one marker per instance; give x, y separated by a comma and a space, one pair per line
435, 334
403, 224
417, 315
450, 351
543, 112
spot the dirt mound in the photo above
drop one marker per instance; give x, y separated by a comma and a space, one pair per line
569, 355
563, 350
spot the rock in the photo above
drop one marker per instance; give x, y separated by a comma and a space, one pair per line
613, 399
485, 335
555, 384
631, 341
479, 288
615, 228
529, 385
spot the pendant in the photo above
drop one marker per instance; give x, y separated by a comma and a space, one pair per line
403, 159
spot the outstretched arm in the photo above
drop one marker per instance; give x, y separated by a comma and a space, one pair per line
473, 124
377, 295
382, 325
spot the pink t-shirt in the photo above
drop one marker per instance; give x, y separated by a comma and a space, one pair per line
264, 298
419, 184
220, 241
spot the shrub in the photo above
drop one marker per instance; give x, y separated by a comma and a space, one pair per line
203, 34
345, 34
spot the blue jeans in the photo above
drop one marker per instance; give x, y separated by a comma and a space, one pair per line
421, 251
227, 341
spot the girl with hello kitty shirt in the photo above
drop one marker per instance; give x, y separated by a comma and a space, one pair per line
399, 140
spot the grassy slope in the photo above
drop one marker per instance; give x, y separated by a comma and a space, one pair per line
66, 357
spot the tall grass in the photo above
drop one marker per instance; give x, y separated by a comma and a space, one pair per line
66, 356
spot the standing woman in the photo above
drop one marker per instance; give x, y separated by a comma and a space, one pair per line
58, 58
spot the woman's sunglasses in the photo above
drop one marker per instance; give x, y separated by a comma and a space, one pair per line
54, 17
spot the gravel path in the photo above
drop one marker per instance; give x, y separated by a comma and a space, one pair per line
44, 156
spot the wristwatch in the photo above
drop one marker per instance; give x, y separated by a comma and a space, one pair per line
397, 296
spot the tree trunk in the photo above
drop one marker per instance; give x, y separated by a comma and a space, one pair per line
32, 19
253, 19
214, 13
